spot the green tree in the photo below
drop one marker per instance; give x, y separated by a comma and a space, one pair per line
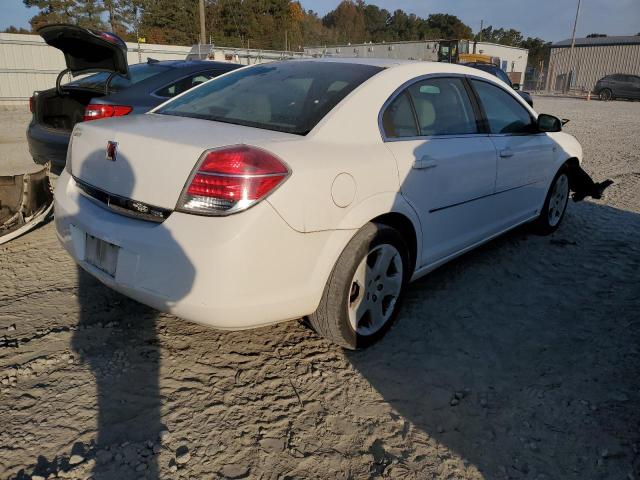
52, 11
347, 21
122, 16
168, 21
502, 36
14, 29
88, 13
448, 26
376, 21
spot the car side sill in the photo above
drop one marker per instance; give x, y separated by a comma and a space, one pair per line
422, 271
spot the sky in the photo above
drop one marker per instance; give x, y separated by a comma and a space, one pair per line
551, 20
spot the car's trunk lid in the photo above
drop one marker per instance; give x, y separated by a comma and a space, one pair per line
155, 154
86, 49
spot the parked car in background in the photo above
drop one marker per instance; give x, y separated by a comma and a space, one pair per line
309, 188
116, 89
498, 72
619, 85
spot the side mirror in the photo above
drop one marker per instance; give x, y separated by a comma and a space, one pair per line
549, 123
516, 86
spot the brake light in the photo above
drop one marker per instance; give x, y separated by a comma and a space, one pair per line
96, 111
32, 103
230, 180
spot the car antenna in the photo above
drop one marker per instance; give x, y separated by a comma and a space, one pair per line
565, 121
152, 60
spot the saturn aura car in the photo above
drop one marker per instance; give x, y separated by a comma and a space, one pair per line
308, 188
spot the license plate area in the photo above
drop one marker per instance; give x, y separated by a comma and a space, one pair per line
101, 254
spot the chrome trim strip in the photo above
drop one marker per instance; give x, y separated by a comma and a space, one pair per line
107, 202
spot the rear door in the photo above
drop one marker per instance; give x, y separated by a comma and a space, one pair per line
446, 164
525, 156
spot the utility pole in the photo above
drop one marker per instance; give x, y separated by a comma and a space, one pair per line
203, 36
567, 80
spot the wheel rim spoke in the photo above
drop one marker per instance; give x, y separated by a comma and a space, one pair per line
374, 289
558, 200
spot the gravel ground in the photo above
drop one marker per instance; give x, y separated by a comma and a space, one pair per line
519, 360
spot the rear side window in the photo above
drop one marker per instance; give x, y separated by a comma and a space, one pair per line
398, 120
185, 84
443, 107
504, 113
290, 96
440, 106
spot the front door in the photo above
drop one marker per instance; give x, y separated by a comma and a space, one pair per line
525, 157
446, 166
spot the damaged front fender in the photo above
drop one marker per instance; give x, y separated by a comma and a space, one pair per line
582, 185
26, 200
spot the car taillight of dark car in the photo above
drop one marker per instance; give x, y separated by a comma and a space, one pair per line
98, 111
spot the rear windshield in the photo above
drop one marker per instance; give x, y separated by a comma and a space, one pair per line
288, 97
137, 73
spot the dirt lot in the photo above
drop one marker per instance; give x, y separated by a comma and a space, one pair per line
519, 360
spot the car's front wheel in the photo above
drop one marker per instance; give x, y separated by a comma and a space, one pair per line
363, 293
555, 204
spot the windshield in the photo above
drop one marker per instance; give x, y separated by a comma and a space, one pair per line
289, 97
137, 73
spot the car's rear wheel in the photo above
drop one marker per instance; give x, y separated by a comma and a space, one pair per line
363, 293
555, 204
606, 94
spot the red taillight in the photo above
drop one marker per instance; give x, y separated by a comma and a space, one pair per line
231, 179
32, 103
97, 111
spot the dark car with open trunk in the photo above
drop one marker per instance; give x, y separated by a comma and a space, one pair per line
104, 85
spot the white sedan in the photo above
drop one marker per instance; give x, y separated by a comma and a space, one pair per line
311, 188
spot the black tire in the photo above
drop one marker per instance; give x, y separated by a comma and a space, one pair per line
331, 319
606, 94
547, 222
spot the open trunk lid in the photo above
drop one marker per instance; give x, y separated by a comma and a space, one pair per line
148, 158
86, 49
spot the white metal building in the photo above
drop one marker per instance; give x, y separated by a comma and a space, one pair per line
513, 60
593, 58
28, 64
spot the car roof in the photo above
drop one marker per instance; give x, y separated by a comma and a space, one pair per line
425, 67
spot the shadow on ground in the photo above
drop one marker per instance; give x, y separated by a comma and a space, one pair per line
523, 357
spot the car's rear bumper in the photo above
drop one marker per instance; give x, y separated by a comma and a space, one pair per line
46, 145
234, 272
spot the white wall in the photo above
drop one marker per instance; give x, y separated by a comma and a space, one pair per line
515, 57
28, 64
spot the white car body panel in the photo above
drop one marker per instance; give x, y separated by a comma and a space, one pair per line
271, 262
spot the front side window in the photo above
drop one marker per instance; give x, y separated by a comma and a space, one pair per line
504, 113
443, 107
289, 97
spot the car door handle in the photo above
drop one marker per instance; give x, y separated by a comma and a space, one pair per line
507, 152
423, 163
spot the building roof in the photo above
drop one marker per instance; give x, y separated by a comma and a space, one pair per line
599, 41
